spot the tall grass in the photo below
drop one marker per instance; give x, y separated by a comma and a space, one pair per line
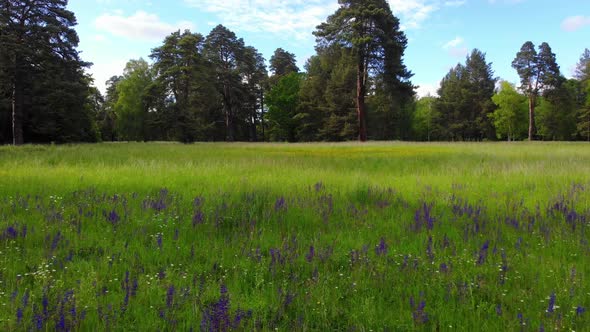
394, 236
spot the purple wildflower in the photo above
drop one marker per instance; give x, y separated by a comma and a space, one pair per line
310, 255
198, 218
280, 204
113, 217
38, 322
170, 296
381, 248
11, 232
551, 306
159, 240
418, 313
483, 253
580, 310
499, 309
19, 315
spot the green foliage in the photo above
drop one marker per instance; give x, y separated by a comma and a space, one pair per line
43, 89
538, 73
283, 103
282, 63
465, 104
510, 117
372, 34
131, 106
557, 112
424, 119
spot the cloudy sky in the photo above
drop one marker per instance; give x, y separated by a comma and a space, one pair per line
440, 32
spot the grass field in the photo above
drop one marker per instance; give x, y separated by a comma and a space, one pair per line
215, 237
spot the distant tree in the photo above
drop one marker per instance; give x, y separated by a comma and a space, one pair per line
132, 107
510, 117
538, 72
583, 113
107, 117
424, 118
283, 63
556, 118
582, 71
372, 33
283, 103
182, 90
224, 51
254, 77
464, 106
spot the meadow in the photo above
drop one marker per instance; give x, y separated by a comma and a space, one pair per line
303, 237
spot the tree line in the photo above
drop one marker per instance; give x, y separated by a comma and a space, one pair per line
217, 88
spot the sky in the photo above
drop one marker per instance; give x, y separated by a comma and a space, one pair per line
440, 32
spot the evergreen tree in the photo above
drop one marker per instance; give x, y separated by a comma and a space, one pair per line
283, 63
538, 72
225, 51
371, 32
43, 72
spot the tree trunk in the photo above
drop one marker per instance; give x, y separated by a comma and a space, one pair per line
360, 100
229, 124
17, 106
531, 117
262, 114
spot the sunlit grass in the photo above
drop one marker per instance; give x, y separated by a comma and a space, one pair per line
303, 237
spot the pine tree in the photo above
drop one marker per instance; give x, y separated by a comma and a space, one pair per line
369, 29
538, 72
38, 43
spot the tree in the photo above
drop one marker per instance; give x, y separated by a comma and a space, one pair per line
283, 102
224, 51
538, 72
465, 104
107, 117
510, 117
369, 29
283, 63
254, 76
132, 106
424, 118
182, 90
556, 118
582, 72
37, 37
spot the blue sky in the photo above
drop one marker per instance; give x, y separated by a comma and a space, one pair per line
440, 32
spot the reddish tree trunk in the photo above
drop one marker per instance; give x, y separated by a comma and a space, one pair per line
531, 117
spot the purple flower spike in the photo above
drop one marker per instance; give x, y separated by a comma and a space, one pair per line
381, 249
551, 306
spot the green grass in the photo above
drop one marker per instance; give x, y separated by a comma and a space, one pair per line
144, 236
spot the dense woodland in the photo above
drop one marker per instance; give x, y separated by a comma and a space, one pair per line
216, 88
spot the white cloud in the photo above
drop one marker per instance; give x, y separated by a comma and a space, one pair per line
506, 1
574, 23
141, 25
455, 3
102, 71
456, 47
454, 43
425, 90
293, 18
298, 18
